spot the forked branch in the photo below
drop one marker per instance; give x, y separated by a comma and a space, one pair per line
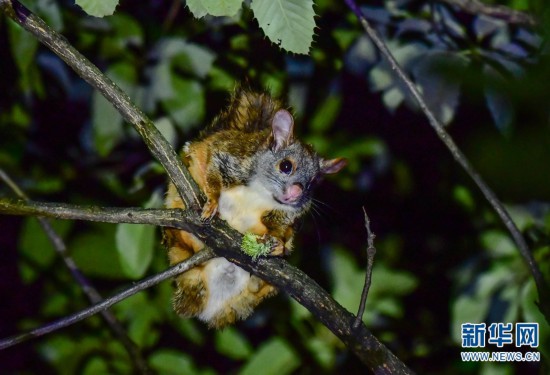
222, 239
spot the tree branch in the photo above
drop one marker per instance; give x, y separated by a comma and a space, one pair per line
157, 144
502, 12
89, 290
225, 242
189, 263
460, 158
175, 218
218, 236
371, 252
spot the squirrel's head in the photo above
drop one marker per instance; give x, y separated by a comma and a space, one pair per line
289, 169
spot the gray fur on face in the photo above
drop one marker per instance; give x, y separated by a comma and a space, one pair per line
305, 171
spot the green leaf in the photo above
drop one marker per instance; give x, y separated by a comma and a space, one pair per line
386, 288
433, 74
166, 128
532, 313
141, 315
49, 11
231, 343
274, 357
498, 244
197, 8
98, 8
218, 8
176, 53
23, 47
172, 362
467, 309
94, 252
287, 23
326, 114
96, 365
135, 244
123, 31
35, 246
464, 197
498, 101
188, 106
106, 120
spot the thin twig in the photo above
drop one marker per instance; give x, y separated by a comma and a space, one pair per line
225, 241
501, 12
157, 144
187, 264
89, 290
371, 252
219, 235
460, 158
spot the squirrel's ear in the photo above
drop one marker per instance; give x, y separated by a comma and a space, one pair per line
333, 165
282, 127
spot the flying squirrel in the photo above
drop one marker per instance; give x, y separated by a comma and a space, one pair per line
259, 178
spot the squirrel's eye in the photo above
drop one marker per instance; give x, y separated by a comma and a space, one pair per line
286, 166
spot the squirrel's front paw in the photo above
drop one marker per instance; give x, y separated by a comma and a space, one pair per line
209, 210
278, 248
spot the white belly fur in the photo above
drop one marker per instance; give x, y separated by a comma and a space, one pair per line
241, 207
225, 281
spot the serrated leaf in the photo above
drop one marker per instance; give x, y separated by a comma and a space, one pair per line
278, 354
197, 8
218, 8
98, 8
287, 23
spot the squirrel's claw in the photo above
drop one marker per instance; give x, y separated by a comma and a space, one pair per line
278, 249
209, 210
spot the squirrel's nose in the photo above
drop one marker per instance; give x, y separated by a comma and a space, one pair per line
293, 193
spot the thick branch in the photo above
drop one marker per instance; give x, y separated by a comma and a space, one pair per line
502, 12
460, 158
220, 236
174, 218
157, 144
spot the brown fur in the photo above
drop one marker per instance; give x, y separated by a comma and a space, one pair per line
225, 160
